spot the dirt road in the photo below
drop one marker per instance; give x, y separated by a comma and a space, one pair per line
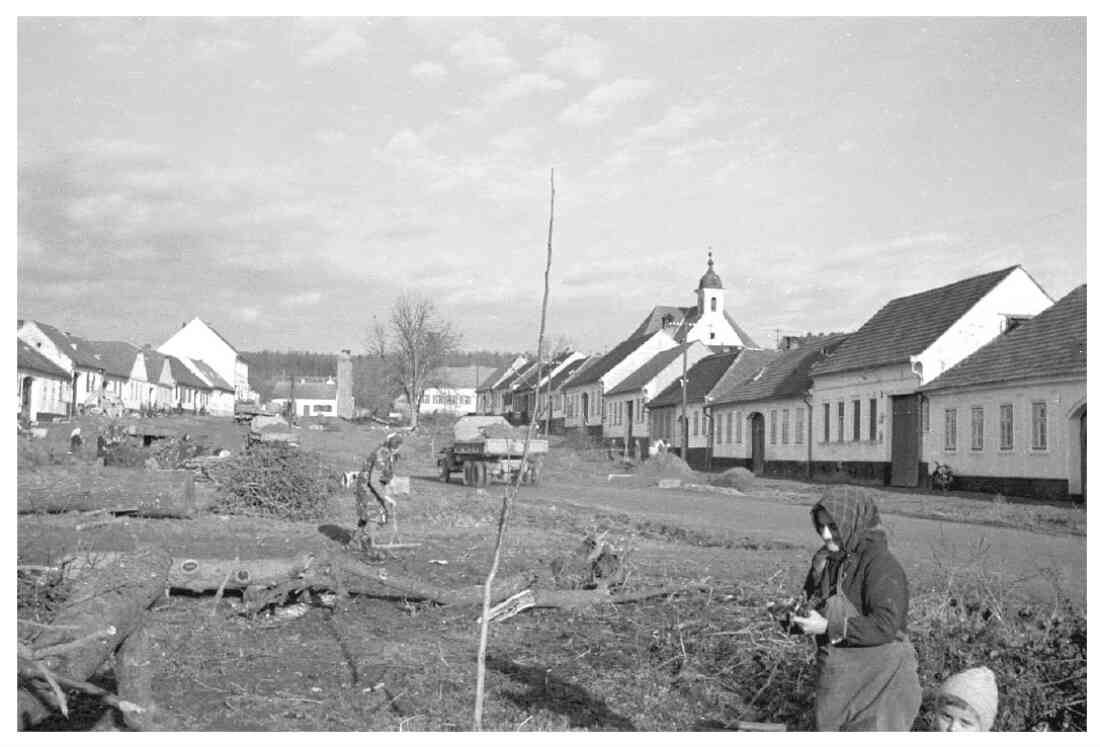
1030, 563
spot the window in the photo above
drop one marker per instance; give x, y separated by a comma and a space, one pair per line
695, 423
799, 424
1006, 427
925, 418
773, 414
839, 421
1039, 426
729, 427
786, 426
950, 429
855, 419
872, 423
641, 411
977, 428
713, 307
740, 437
718, 429
825, 421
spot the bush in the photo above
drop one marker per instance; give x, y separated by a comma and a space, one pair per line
274, 479
738, 477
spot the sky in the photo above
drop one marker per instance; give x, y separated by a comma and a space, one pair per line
285, 179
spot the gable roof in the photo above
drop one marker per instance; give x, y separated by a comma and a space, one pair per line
183, 375
1052, 344
29, 359
517, 375
683, 318
562, 376
785, 374
304, 390
219, 335
211, 376
701, 379
71, 345
609, 360
527, 381
651, 368
154, 363
115, 357
908, 325
490, 381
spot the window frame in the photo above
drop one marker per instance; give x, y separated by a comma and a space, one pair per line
951, 429
977, 428
1009, 443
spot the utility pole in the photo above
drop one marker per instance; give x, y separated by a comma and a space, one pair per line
684, 407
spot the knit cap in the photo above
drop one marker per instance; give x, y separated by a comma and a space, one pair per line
977, 687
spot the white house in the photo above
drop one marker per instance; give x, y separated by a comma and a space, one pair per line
490, 398
222, 395
72, 354
1011, 417
41, 385
197, 340
626, 424
161, 385
312, 397
190, 393
453, 390
124, 373
867, 419
585, 390
762, 412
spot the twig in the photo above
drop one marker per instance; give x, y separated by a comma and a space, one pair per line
221, 588
61, 648
512, 488
85, 687
47, 626
37, 568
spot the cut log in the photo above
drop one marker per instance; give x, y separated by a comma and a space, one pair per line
573, 599
56, 489
116, 595
134, 671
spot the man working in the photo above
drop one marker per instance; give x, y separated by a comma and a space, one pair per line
377, 471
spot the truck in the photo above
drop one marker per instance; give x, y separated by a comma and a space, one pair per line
487, 448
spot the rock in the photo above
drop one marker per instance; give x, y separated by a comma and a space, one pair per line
669, 482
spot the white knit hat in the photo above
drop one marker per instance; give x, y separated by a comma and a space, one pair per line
976, 687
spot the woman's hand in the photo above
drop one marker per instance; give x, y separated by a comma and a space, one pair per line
813, 624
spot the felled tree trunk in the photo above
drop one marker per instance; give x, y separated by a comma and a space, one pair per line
111, 599
134, 671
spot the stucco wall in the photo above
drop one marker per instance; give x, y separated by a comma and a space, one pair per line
196, 340
876, 383
615, 427
795, 449
1061, 458
47, 395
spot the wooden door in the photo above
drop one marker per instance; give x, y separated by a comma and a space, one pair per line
905, 441
757, 426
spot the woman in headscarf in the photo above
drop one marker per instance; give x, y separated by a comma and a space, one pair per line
859, 599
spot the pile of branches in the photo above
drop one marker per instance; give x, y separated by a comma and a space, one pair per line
274, 479
166, 453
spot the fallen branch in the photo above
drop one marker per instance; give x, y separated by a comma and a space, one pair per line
83, 686
62, 648
573, 599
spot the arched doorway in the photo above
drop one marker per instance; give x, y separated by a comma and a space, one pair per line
584, 408
756, 441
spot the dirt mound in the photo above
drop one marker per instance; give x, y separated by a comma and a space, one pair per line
663, 467
737, 477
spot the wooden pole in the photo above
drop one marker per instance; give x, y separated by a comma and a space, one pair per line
684, 408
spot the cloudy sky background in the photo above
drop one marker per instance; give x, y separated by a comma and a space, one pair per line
285, 179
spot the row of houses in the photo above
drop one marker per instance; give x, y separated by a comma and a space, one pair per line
60, 374
986, 375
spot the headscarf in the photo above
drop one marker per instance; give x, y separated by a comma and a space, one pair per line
854, 516
977, 688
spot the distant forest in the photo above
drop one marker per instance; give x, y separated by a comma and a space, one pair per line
265, 367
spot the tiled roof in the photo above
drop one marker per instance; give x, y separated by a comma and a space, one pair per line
304, 390
184, 376
116, 358
683, 319
528, 381
785, 375
154, 363
490, 381
651, 368
701, 380
906, 326
744, 368
609, 360
208, 373
70, 345
563, 375
220, 335
1053, 344
516, 375
29, 359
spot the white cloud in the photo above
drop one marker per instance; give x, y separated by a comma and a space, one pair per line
339, 43
216, 48
480, 50
311, 298
249, 313
601, 102
677, 121
522, 85
581, 56
430, 72
330, 137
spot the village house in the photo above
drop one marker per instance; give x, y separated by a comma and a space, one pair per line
523, 395
762, 410
505, 389
585, 390
123, 372
667, 410
312, 397
707, 321
1010, 418
867, 418
223, 395
490, 399
626, 426
453, 390
190, 393
73, 355
161, 385
197, 340
551, 391
41, 385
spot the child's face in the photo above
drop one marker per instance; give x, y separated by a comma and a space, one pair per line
953, 717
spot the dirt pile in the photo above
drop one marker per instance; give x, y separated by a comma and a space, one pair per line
737, 477
663, 467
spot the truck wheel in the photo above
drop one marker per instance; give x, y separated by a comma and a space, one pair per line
445, 470
468, 476
483, 474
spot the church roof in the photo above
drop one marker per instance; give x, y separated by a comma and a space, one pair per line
710, 278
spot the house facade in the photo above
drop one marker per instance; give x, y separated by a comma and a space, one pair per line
585, 390
867, 416
124, 375
490, 398
762, 413
524, 400
40, 385
190, 393
197, 340
1011, 418
454, 391
311, 397
70, 353
627, 425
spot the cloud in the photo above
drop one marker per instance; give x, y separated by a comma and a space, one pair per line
339, 43
249, 313
581, 56
310, 298
427, 71
477, 49
678, 120
216, 49
330, 137
601, 102
523, 85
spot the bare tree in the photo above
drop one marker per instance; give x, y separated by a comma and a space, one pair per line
412, 346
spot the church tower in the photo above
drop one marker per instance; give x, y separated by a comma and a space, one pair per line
710, 295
